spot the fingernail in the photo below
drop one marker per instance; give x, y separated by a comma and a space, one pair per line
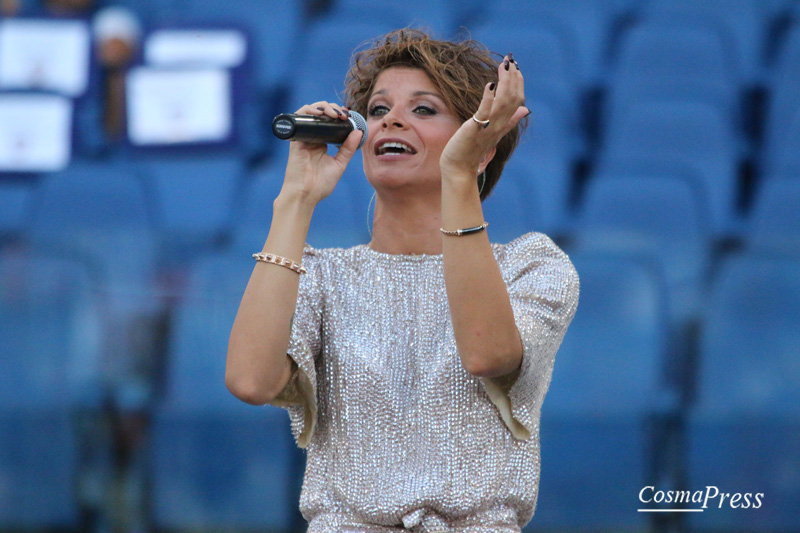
510, 56
506, 64
320, 109
338, 112
492, 86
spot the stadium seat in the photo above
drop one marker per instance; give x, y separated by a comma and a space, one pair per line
607, 381
322, 62
514, 207
658, 217
774, 222
658, 62
742, 24
218, 464
547, 55
436, 16
783, 107
99, 214
49, 354
693, 139
744, 431
16, 204
193, 195
588, 24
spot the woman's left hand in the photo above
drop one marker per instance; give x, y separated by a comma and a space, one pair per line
503, 106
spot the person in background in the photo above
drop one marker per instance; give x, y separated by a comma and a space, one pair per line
117, 35
414, 366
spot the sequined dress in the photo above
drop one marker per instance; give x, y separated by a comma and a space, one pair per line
399, 436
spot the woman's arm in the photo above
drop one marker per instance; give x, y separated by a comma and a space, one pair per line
483, 320
258, 367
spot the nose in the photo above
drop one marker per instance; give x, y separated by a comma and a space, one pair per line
392, 118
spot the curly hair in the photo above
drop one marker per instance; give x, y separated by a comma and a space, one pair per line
459, 70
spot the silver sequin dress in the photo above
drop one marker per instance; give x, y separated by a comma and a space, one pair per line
399, 436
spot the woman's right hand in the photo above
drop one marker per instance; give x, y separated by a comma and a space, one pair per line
310, 171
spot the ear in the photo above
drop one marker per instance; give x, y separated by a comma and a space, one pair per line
487, 158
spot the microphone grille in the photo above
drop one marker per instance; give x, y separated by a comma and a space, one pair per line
359, 123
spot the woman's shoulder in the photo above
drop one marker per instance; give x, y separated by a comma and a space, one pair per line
530, 251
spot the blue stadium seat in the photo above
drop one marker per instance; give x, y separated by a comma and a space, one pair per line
659, 217
193, 195
606, 381
742, 24
783, 108
588, 24
273, 29
218, 464
744, 431
99, 214
774, 222
49, 355
436, 16
693, 139
547, 152
549, 57
16, 205
514, 207
658, 62
322, 62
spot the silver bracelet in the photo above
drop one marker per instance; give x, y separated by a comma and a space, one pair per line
465, 231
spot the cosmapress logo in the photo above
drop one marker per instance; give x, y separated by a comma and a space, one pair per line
654, 500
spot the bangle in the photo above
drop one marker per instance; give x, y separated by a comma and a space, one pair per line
465, 231
280, 261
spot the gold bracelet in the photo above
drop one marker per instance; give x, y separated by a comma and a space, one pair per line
280, 261
465, 231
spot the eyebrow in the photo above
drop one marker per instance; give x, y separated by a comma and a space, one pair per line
415, 94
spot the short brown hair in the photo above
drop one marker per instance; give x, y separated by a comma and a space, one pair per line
460, 70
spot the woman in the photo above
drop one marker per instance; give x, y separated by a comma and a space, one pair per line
414, 367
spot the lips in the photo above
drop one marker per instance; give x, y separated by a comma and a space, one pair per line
393, 147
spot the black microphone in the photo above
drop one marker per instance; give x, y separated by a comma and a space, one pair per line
314, 129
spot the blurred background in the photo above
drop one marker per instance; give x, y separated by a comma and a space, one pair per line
137, 173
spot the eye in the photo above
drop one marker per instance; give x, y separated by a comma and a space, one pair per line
377, 110
424, 110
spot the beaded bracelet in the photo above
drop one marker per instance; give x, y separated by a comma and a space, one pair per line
280, 261
465, 231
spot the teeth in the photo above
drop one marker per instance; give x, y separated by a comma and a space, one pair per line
394, 145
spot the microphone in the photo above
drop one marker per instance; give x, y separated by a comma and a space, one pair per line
314, 129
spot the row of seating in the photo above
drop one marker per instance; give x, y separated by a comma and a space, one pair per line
218, 463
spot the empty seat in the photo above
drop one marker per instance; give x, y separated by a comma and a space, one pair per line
742, 24
323, 60
16, 204
436, 16
49, 354
193, 195
217, 463
774, 222
672, 62
607, 381
514, 206
661, 218
688, 138
744, 434
99, 214
543, 52
586, 23
783, 106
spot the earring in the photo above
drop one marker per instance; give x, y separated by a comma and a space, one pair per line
369, 208
481, 182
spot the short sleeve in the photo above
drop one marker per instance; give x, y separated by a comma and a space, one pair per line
543, 287
299, 396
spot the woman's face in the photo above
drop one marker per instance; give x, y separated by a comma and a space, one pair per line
409, 126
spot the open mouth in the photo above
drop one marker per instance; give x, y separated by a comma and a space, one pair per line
394, 147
